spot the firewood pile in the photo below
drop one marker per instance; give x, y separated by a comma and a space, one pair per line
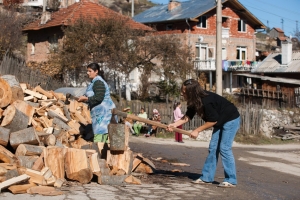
288, 133
41, 147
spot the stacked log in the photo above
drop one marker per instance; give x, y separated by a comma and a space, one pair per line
41, 143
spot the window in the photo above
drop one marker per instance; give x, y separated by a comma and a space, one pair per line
225, 22
32, 48
203, 52
241, 25
53, 43
241, 53
169, 27
202, 22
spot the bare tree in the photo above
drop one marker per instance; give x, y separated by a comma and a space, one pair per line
11, 37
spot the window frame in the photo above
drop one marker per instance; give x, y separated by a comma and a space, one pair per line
241, 49
242, 24
199, 24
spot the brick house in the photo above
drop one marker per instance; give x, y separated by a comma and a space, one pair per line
45, 35
195, 22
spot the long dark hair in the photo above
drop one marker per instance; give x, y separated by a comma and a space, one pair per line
176, 104
194, 93
96, 66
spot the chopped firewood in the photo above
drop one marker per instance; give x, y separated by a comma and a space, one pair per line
133, 180
4, 136
39, 163
143, 168
8, 166
25, 136
3, 171
42, 91
27, 161
12, 181
58, 183
25, 108
6, 156
120, 160
44, 190
6, 93
35, 94
181, 164
53, 113
54, 159
28, 150
14, 119
77, 165
21, 189
36, 177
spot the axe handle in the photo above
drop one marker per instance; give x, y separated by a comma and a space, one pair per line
147, 121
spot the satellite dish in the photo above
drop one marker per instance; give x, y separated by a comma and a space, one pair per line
200, 38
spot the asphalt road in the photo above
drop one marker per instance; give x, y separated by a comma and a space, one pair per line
264, 172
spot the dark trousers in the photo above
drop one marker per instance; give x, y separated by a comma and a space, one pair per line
178, 136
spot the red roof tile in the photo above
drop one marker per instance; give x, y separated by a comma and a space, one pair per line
279, 30
67, 16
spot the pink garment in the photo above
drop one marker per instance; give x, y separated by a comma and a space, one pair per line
177, 114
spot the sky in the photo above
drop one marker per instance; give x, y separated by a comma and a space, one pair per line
270, 12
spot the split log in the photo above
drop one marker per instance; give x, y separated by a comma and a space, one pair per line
5, 93
8, 166
27, 161
3, 171
14, 119
25, 108
6, 156
20, 189
48, 140
13, 181
44, 190
25, 136
116, 133
35, 94
59, 123
39, 163
28, 150
4, 136
121, 161
17, 92
94, 163
54, 160
133, 180
52, 113
42, 91
77, 165
36, 177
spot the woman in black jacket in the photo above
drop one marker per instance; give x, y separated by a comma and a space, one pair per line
224, 118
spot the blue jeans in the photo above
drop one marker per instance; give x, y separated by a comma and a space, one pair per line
221, 143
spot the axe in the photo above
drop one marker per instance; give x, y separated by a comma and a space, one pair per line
70, 96
147, 121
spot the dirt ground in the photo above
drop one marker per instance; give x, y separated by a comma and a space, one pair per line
264, 172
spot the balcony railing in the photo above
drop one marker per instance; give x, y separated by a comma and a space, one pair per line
227, 65
208, 65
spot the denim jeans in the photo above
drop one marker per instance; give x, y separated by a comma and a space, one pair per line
221, 143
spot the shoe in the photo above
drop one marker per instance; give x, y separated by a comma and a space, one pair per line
147, 135
226, 185
181, 141
199, 181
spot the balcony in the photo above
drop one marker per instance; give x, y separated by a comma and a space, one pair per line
205, 65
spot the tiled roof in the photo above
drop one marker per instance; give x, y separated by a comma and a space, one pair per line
272, 64
67, 16
278, 30
191, 9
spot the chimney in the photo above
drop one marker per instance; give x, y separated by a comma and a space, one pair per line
286, 52
46, 16
173, 4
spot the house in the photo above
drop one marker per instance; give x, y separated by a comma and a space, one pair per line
195, 21
276, 78
45, 35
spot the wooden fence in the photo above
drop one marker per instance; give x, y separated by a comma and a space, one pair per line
17, 67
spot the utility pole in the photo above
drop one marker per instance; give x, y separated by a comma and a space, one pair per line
132, 8
219, 88
282, 24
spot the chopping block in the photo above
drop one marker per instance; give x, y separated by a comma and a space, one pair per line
118, 137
